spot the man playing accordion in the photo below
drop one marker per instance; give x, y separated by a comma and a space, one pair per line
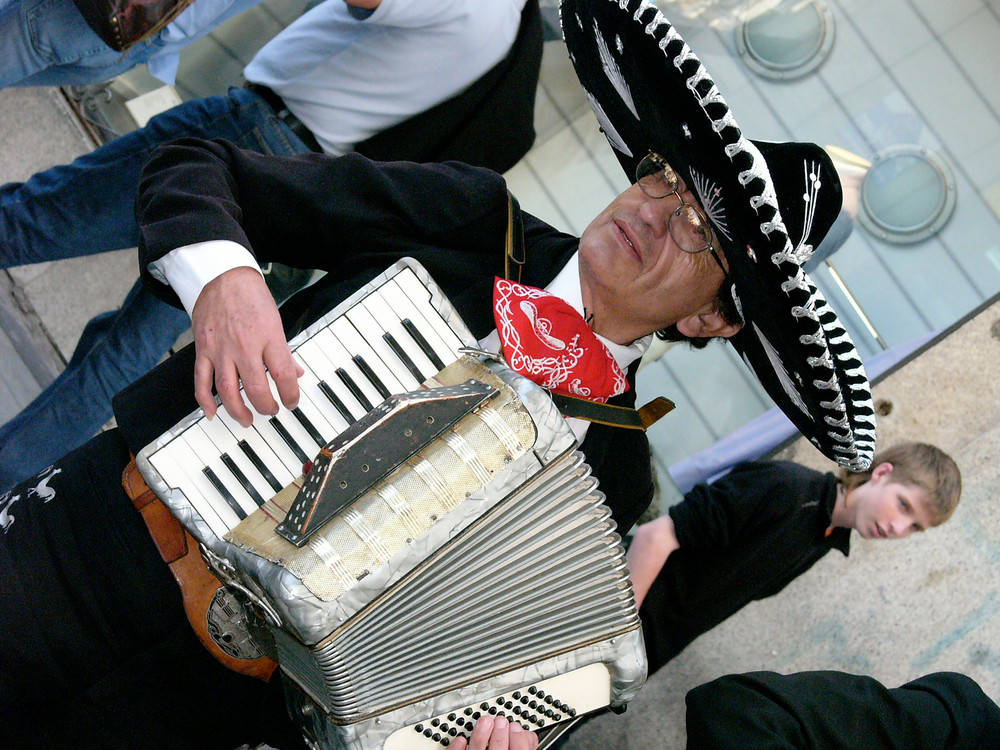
705, 244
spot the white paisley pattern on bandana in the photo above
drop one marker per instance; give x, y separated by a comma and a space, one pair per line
575, 363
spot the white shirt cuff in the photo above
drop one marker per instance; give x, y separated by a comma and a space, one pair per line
189, 269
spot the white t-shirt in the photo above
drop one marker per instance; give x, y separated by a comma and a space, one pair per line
348, 79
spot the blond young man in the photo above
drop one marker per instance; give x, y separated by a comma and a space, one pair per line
749, 534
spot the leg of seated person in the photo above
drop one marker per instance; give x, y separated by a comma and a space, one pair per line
95, 649
115, 349
836, 710
86, 207
48, 43
40, 37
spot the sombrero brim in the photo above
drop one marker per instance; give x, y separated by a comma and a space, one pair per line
770, 204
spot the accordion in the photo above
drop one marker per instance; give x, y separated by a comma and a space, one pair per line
442, 553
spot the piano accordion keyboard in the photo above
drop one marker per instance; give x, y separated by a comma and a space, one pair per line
390, 342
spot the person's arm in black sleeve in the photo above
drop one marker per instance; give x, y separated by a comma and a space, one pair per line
839, 711
711, 516
307, 211
311, 210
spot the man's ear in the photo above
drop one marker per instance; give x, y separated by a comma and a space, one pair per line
707, 325
884, 469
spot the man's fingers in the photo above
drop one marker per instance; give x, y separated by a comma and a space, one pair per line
285, 372
238, 330
480, 737
227, 385
497, 734
521, 739
257, 388
203, 375
500, 739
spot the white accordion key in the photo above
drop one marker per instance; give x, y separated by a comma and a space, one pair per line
535, 706
389, 316
414, 301
387, 359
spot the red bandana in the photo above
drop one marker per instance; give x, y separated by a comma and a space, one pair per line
550, 343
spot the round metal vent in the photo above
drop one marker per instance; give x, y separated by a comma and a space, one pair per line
907, 195
787, 40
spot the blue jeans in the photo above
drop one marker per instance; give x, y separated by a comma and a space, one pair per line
87, 207
47, 43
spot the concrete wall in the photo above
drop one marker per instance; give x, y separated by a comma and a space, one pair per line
893, 610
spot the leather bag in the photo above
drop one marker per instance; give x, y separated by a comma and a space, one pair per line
122, 24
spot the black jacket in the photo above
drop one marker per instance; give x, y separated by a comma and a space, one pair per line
838, 711
744, 537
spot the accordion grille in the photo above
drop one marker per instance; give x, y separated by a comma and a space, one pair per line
540, 574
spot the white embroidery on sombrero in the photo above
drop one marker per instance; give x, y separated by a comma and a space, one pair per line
758, 171
799, 281
860, 445
801, 311
710, 198
826, 360
683, 56
604, 121
653, 25
813, 182
781, 372
613, 72
828, 385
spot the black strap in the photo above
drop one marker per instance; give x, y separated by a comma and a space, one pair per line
514, 254
283, 113
613, 416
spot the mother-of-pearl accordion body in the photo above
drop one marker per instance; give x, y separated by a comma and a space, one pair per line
482, 574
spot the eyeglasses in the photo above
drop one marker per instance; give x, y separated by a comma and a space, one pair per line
687, 224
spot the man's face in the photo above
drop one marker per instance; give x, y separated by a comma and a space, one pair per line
636, 280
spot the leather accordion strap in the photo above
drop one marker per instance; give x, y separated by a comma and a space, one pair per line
515, 240
614, 416
180, 552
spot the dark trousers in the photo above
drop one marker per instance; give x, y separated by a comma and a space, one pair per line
95, 649
839, 711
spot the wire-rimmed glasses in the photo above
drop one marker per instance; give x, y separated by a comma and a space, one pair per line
687, 224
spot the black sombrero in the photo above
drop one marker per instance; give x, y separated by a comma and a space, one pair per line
770, 204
